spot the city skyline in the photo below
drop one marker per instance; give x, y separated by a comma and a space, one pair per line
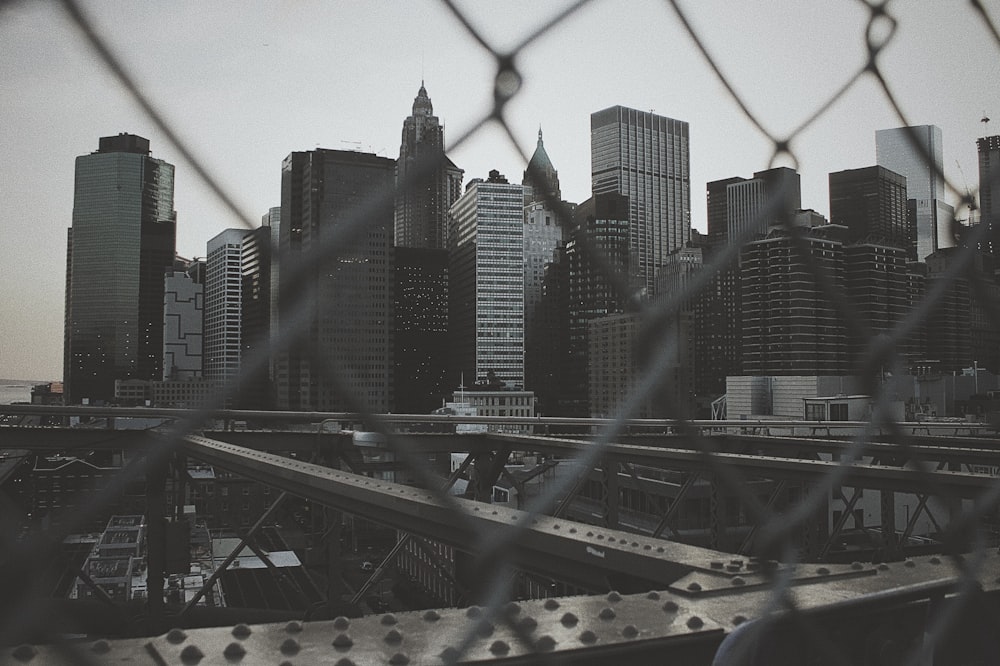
60, 100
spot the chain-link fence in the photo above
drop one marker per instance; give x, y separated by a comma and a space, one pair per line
775, 532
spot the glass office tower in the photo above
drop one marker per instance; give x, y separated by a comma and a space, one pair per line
120, 246
645, 157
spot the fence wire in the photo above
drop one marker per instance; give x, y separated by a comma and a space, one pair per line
775, 529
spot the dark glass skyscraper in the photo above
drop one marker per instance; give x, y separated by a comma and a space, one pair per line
120, 246
335, 282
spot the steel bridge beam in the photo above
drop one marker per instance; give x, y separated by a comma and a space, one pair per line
555, 547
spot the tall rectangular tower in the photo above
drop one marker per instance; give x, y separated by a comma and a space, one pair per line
916, 153
120, 247
989, 192
486, 312
645, 157
336, 281
871, 204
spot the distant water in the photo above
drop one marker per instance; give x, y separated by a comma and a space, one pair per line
16, 390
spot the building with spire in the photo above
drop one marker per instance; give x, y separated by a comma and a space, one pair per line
428, 182
541, 180
546, 224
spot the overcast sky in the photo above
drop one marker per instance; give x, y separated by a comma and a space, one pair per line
247, 83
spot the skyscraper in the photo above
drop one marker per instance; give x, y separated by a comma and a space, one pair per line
541, 180
916, 154
644, 157
486, 312
238, 314
430, 182
121, 245
871, 203
336, 281
989, 193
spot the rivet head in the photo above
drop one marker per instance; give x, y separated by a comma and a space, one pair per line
909, 563
551, 604
614, 597
343, 642
935, 560
694, 587
695, 622
883, 567
484, 629
545, 644
176, 636
528, 624
569, 620
399, 659
655, 596
393, 637
670, 607
241, 631
388, 619
822, 571
234, 651
499, 647
25, 652
607, 614
857, 566
340, 623
344, 661
191, 655
630, 631
588, 637
733, 567
449, 655
717, 564
431, 616
293, 627
473, 612
739, 619
101, 647
572, 530
290, 646
600, 537
738, 581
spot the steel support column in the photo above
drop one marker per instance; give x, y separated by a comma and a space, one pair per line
675, 505
609, 471
156, 537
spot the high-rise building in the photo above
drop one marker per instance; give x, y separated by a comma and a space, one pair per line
336, 282
989, 193
223, 307
790, 324
645, 157
183, 311
255, 327
598, 258
916, 154
121, 245
871, 204
429, 182
421, 329
486, 295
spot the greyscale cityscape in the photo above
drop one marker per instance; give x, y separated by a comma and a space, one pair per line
419, 415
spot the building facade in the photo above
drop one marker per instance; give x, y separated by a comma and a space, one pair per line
183, 310
644, 157
421, 329
428, 181
871, 204
486, 312
989, 192
336, 282
120, 246
916, 154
